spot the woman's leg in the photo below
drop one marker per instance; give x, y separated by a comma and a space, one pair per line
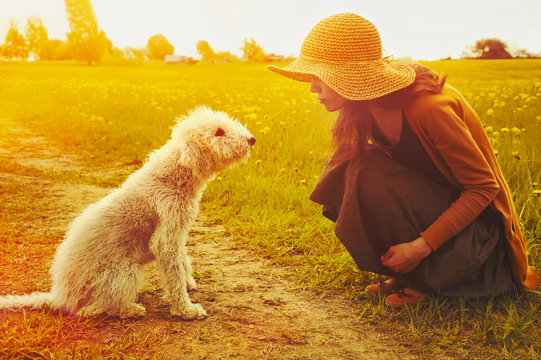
380, 203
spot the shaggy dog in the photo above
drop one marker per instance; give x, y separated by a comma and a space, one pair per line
97, 268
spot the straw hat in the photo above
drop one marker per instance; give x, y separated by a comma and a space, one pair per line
344, 51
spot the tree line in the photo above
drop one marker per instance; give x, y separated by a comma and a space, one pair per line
86, 42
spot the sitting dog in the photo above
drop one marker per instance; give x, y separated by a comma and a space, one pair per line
97, 268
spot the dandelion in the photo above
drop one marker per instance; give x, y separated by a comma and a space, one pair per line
252, 116
219, 178
516, 131
490, 112
282, 171
496, 152
537, 193
516, 155
535, 185
259, 123
496, 134
504, 130
282, 123
304, 182
502, 103
258, 162
488, 129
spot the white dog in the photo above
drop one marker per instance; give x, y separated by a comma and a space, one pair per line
97, 268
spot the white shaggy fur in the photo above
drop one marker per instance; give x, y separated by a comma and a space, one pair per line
97, 268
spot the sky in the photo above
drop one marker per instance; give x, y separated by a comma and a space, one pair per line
421, 29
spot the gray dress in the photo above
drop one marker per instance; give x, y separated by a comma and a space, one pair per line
389, 195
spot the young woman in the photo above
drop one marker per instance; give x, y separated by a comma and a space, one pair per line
413, 186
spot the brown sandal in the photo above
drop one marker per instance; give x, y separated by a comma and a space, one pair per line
405, 296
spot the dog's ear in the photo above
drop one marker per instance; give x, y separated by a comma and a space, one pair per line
192, 158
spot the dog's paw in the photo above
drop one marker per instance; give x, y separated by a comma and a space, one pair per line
190, 312
132, 311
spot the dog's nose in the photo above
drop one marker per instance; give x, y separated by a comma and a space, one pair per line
251, 141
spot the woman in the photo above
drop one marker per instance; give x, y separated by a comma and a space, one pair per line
413, 186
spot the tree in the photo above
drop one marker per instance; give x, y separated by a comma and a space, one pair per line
15, 46
490, 49
226, 56
52, 50
158, 46
205, 51
251, 51
86, 41
36, 36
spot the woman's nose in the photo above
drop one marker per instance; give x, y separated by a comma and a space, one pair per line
315, 87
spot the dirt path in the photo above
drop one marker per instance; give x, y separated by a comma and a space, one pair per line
254, 310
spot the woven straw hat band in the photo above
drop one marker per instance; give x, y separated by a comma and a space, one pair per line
345, 52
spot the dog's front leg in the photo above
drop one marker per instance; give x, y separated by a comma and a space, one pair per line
190, 281
168, 248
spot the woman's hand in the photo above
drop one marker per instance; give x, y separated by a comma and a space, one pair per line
403, 258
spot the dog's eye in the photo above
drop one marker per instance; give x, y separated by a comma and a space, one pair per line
220, 132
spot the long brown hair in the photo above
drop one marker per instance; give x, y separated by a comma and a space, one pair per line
354, 123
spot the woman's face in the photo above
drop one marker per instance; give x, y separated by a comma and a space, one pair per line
327, 96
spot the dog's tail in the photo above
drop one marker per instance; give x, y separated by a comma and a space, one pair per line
34, 300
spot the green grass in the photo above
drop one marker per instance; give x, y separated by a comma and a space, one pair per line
115, 115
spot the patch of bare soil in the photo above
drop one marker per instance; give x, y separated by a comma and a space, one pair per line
255, 310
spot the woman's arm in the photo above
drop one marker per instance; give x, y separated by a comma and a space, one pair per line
439, 122
442, 125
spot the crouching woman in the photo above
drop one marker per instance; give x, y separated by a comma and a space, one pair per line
413, 186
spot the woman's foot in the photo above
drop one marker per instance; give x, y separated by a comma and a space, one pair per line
383, 287
405, 296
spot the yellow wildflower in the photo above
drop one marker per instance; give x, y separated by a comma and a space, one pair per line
252, 116
490, 112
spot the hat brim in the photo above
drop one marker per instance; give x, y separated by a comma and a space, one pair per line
354, 81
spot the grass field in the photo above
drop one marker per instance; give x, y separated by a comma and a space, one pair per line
117, 115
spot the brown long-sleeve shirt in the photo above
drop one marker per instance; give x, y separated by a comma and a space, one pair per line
455, 140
